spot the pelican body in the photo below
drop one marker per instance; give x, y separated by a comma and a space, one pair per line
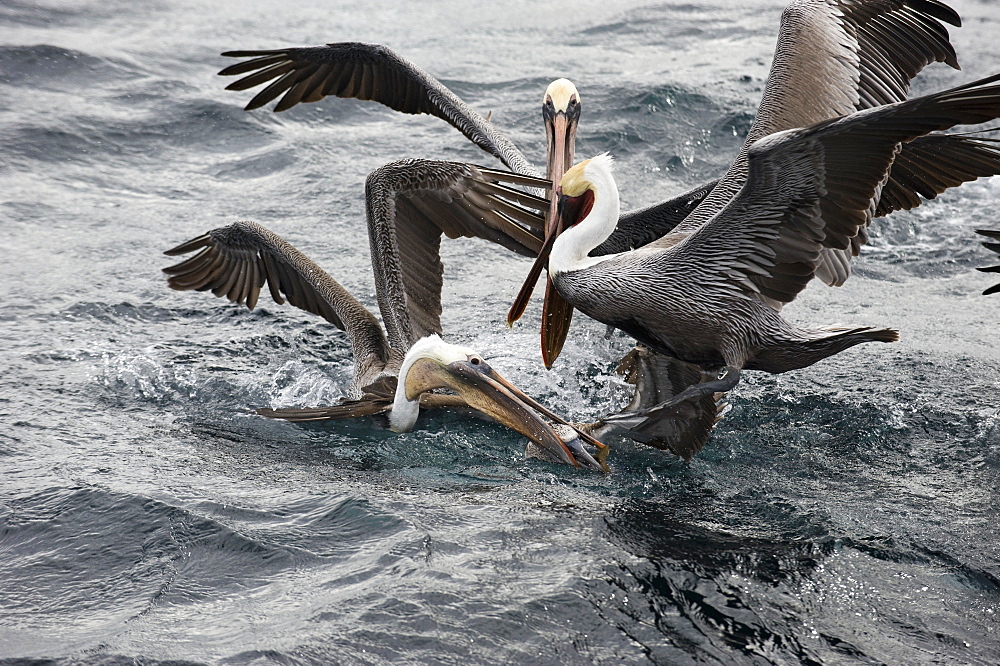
708, 297
833, 58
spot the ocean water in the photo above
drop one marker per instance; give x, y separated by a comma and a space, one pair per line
845, 513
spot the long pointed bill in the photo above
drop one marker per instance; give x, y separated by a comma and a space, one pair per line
569, 211
479, 387
602, 449
524, 295
557, 313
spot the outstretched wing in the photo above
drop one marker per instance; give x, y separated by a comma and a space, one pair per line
924, 168
411, 203
376, 398
835, 57
816, 188
368, 72
348, 409
657, 379
929, 165
238, 260
995, 246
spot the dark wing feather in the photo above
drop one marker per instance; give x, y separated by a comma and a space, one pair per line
816, 188
924, 168
376, 398
929, 165
411, 203
994, 246
236, 261
349, 409
367, 72
835, 57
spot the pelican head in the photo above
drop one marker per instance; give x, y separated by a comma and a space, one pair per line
561, 113
432, 363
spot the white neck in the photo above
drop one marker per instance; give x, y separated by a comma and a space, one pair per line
404, 412
570, 250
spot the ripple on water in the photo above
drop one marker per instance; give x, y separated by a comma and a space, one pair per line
43, 64
171, 563
200, 126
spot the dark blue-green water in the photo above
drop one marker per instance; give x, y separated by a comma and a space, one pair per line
842, 514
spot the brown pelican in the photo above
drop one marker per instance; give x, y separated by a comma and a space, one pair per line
711, 296
867, 52
995, 246
393, 369
834, 57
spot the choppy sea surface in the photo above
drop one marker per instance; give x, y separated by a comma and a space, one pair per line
845, 513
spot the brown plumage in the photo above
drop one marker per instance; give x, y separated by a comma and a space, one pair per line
657, 379
834, 57
238, 260
436, 197
866, 51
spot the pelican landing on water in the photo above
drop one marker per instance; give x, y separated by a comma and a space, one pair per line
833, 58
710, 296
394, 369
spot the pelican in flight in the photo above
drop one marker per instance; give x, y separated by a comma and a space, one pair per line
710, 296
396, 368
835, 57
995, 246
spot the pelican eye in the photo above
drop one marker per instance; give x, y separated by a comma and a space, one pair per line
548, 102
475, 360
573, 102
